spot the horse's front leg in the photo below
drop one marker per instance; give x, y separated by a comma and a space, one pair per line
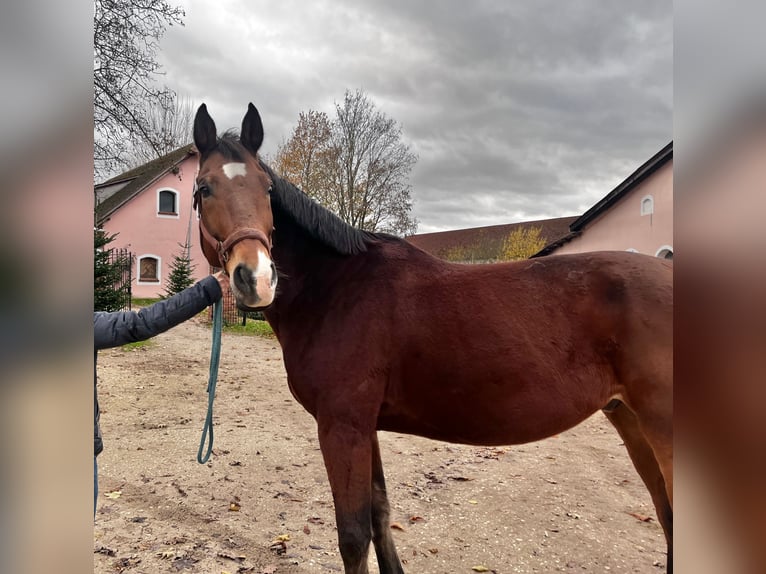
347, 454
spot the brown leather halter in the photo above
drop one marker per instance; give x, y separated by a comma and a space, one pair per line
222, 248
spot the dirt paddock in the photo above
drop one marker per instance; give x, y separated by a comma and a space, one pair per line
262, 504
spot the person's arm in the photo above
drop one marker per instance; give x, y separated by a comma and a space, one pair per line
118, 328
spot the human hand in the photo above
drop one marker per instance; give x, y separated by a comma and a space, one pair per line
223, 281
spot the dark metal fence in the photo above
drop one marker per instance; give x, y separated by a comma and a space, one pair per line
232, 315
122, 259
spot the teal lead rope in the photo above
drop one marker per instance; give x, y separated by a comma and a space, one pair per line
215, 356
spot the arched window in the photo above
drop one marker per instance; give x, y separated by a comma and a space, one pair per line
665, 252
148, 269
167, 203
647, 205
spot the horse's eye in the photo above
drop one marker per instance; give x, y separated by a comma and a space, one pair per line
203, 190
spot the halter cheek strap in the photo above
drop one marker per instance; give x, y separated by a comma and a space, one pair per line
223, 248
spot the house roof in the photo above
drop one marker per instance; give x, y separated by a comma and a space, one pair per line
137, 179
634, 179
488, 239
648, 168
553, 245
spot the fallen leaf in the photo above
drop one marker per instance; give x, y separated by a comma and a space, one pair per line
106, 551
234, 507
114, 494
414, 519
433, 550
282, 538
397, 526
184, 563
239, 559
480, 568
180, 490
306, 529
473, 502
640, 517
125, 563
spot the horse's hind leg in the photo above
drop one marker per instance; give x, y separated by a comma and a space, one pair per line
388, 561
646, 463
347, 456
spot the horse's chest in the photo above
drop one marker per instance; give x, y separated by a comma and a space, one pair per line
303, 393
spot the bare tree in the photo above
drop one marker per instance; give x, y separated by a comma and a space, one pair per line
126, 35
305, 159
356, 165
168, 127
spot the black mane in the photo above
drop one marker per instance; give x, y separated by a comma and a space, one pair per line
318, 221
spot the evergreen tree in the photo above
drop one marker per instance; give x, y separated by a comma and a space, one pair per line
181, 271
108, 292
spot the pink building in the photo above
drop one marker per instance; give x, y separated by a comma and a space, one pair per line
636, 216
150, 208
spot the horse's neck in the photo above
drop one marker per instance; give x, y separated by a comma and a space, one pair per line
297, 257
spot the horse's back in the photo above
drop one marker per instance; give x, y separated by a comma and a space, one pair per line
535, 345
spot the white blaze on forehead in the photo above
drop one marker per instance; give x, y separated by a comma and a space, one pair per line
232, 170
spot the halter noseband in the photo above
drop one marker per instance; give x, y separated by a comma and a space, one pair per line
222, 248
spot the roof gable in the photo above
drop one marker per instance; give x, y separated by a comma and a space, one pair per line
631, 182
138, 179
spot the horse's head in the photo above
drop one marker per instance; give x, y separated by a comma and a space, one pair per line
232, 194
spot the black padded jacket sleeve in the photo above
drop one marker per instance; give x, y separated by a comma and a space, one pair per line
119, 328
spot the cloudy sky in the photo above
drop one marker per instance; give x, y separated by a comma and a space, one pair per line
516, 110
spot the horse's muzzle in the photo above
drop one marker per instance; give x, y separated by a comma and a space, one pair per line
255, 288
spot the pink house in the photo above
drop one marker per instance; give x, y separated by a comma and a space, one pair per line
636, 216
150, 208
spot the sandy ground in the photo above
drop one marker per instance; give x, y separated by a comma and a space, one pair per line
262, 503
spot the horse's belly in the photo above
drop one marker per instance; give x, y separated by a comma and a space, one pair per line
491, 413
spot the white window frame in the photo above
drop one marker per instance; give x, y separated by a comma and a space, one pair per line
663, 249
650, 203
159, 269
175, 215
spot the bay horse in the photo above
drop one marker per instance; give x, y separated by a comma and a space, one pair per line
379, 335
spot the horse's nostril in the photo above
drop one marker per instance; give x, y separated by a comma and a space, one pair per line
273, 273
243, 279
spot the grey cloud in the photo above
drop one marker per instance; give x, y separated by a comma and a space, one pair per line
517, 110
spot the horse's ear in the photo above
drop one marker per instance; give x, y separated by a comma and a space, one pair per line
204, 131
252, 130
